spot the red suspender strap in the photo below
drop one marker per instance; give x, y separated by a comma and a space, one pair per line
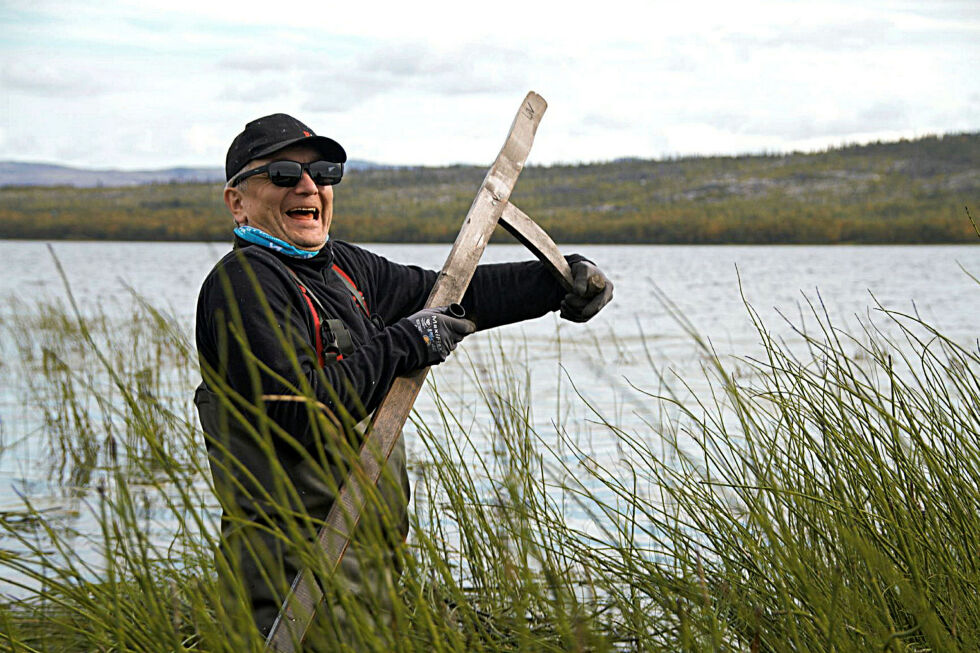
356, 294
316, 326
340, 337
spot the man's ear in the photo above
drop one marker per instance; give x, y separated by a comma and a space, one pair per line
235, 202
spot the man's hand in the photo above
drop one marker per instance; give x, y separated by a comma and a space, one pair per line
591, 290
442, 328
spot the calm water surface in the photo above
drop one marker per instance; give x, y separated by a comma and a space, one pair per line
629, 343
705, 283
702, 280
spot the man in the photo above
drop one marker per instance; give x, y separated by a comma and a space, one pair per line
299, 337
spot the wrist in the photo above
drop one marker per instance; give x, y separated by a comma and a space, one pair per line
415, 346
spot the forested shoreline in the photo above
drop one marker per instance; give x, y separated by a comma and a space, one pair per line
909, 191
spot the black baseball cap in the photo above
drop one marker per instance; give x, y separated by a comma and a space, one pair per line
270, 134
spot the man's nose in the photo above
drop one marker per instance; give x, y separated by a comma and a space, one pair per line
306, 185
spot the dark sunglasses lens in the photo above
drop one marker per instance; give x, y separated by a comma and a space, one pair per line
325, 173
285, 173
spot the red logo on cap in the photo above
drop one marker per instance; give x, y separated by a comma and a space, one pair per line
307, 134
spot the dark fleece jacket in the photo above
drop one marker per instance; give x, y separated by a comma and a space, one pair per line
385, 347
255, 339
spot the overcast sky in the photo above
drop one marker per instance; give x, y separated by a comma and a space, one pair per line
158, 83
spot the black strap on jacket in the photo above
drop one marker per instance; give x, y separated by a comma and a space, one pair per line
331, 335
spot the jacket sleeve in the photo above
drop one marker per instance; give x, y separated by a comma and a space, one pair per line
504, 293
499, 293
253, 332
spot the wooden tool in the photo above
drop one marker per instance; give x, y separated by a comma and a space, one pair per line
490, 206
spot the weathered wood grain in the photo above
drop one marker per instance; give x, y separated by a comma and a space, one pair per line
492, 198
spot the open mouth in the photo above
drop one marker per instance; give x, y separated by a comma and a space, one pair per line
304, 213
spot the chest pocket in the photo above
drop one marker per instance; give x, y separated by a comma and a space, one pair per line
332, 337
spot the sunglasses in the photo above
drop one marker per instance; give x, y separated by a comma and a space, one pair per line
288, 173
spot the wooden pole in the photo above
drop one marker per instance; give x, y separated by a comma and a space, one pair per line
334, 537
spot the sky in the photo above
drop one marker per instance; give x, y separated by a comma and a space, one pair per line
152, 84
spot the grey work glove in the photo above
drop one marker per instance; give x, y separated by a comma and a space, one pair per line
441, 330
591, 290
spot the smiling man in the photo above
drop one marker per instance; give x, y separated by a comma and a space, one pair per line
301, 217
300, 337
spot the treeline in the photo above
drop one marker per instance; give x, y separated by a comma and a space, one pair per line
910, 191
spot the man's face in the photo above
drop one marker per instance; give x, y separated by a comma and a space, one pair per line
299, 215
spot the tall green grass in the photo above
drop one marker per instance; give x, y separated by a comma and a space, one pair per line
823, 497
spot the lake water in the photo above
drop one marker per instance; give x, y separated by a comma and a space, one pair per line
707, 285
629, 343
703, 281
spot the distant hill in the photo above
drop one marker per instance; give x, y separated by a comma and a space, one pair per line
17, 173
908, 191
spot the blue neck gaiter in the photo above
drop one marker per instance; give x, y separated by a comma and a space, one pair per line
259, 237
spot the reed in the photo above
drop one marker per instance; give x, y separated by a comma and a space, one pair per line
823, 497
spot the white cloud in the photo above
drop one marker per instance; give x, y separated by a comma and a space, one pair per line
47, 80
154, 82
202, 139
